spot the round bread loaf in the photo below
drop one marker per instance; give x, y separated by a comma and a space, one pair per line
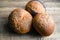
20, 21
44, 24
35, 7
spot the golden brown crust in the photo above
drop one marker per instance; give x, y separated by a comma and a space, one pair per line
35, 7
44, 24
20, 20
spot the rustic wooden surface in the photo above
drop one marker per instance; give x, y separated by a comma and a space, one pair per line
52, 8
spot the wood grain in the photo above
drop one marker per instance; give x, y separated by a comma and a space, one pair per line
52, 8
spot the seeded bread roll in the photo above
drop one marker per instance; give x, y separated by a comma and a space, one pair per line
35, 7
43, 24
20, 21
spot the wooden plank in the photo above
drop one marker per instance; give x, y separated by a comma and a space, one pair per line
28, 0
7, 6
12, 4
52, 4
23, 3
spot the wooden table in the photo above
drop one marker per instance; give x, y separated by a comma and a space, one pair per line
52, 8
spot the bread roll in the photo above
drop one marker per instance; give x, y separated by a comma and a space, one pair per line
35, 7
20, 21
44, 24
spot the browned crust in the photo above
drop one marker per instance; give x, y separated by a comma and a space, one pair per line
20, 20
44, 24
35, 7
